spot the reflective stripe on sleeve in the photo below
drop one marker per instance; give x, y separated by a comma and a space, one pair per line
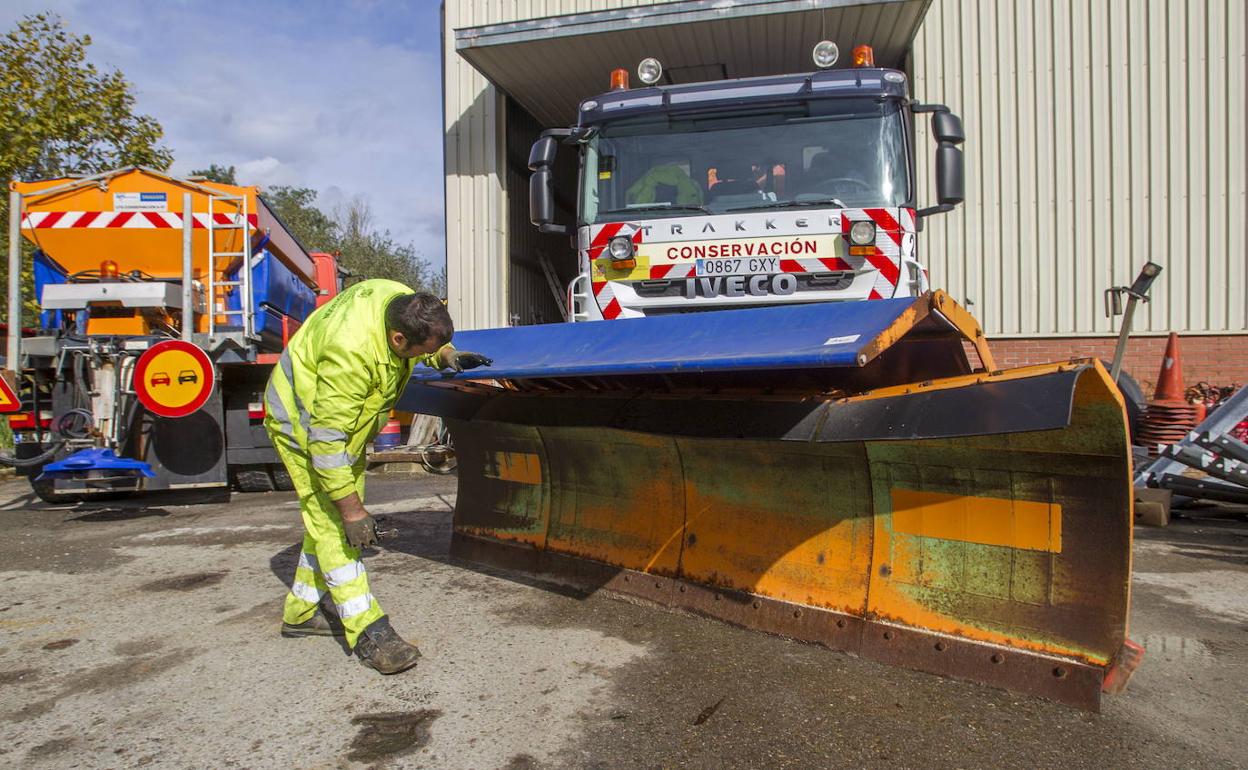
306, 592
355, 606
326, 434
344, 574
308, 561
288, 369
278, 410
329, 462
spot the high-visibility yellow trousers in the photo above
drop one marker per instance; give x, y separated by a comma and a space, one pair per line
327, 563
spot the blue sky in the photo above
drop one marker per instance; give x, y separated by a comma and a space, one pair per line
343, 97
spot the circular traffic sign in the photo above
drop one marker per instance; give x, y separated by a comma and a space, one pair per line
173, 378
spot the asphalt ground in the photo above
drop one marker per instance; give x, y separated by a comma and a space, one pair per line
146, 635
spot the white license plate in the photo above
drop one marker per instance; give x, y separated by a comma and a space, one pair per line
738, 266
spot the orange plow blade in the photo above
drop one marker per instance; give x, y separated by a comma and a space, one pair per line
975, 525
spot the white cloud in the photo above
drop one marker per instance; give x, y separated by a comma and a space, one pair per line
343, 99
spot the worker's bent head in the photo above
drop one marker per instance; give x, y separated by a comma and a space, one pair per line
417, 324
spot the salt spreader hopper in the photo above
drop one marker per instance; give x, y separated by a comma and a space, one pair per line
846, 474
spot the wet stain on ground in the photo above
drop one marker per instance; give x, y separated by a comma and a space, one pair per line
521, 762
267, 610
17, 676
184, 582
48, 748
390, 733
707, 712
60, 644
109, 678
121, 514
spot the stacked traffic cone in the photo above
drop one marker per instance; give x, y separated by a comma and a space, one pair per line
1169, 416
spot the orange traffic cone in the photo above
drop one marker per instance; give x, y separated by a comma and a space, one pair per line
1169, 416
1170, 379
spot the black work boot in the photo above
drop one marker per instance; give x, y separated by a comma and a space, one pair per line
320, 624
381, 648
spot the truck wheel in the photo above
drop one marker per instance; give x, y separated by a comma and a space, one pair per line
281, 478
1133, 396
46, 491
251, 478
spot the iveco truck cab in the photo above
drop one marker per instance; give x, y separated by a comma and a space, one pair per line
747, 192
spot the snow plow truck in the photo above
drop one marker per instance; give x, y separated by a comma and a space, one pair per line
761, 410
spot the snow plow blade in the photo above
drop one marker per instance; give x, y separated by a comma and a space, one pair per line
840, 473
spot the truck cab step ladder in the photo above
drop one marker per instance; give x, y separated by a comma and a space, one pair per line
218, 289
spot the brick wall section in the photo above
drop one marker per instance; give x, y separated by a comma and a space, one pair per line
1216, 359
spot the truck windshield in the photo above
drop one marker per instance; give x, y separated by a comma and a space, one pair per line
854, 154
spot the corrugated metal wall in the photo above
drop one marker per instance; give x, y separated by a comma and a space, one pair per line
1099, 134
479, 276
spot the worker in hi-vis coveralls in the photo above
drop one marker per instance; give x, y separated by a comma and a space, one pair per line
327, 398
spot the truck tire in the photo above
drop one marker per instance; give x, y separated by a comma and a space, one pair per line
46, 491
281, 478
251, 478
1133, 398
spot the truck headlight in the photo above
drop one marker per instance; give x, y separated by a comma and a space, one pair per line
620, 247
862, 233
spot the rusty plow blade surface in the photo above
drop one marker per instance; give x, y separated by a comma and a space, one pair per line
971, 524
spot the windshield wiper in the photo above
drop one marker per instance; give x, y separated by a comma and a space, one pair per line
792, 204
657, 207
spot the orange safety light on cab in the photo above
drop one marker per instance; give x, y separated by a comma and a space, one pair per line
864, 56
108, 269
619, 80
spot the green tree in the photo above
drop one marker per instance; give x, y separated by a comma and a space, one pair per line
296, 207
369, 252
60, 114
218, 174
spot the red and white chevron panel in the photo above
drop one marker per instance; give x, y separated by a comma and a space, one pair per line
887, 257
604, 293
107, 220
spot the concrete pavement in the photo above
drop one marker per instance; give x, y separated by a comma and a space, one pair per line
146, 635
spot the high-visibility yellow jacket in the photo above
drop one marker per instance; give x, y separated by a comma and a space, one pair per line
336, 382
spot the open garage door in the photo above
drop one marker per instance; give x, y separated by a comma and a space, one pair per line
549, 65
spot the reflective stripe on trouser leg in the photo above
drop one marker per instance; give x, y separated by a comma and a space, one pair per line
308, 586
327, 544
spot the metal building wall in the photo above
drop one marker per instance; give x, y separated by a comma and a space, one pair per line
479, 275
1099, 134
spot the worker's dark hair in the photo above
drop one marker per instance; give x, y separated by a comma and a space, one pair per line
420, 317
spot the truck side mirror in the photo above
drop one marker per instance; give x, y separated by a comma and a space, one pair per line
947, 128
950, 165
949, 175
542, 186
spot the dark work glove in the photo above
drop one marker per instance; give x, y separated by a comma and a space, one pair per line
361, 532
464, 359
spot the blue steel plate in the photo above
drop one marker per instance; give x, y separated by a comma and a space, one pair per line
819, 335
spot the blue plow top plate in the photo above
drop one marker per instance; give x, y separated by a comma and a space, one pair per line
816, 335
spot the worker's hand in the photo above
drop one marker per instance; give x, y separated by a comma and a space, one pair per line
360, 532
460, 360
